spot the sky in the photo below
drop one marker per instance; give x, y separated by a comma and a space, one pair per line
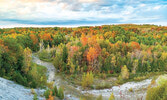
82, 12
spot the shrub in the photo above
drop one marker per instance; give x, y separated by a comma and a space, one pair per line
112, 97
159, 92
50, 85
61, 93
55, 90
162, 79
19, 78
35, 97
32, 91
99, 97
130, 90
82, 99
47, 93
44, 55
87, 79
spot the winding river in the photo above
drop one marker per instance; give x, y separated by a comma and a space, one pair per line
72, 92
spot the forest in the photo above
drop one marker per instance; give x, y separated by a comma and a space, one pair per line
84, 55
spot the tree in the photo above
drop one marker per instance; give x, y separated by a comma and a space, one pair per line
135, 65
92, 41
58, 62
84, 40
34, 38
65, 54
46, 37
27, 60
41, 45
92, 54
125, 72
135, 45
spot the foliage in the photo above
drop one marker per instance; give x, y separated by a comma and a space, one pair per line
124, 72
99, 49
99, 97
87, 79
162, 79
35, 97
51, 93
27, 60
61, 93
44, 55
157, 93
112, 97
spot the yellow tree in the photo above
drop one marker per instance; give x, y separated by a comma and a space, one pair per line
27, 60
125, 72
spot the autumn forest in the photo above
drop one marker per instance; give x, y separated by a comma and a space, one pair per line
84, 57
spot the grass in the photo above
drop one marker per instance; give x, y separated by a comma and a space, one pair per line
40, 75
110, 80
46, 60
139, 77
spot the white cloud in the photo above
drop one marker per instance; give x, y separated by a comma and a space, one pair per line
157, 7
88, 1
84, 10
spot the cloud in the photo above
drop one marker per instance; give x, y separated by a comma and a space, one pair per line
82, 11
157, 7
88, 1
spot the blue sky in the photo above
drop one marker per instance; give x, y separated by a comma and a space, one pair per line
82, 12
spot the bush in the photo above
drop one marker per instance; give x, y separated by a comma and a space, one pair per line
130, 90
99, 97
44, 55
47, 93
55, 90
112, 97
50, 93
32, 91
35, 97
87, 79
162, 80
61, 93
19, 79
159, 92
